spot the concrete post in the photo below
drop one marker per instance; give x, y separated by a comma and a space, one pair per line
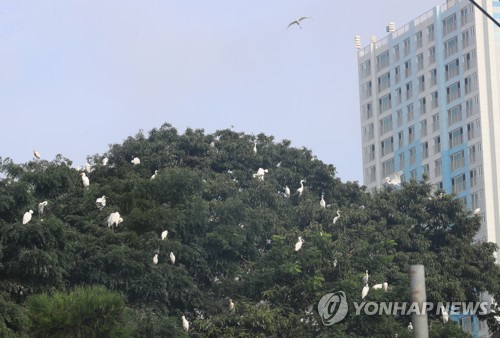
418, 295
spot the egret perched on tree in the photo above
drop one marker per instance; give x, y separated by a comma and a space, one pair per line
154, 175
114, 219
185, 324
287, 191
365, 290
444, 315
231, 305
155, 259
336, 218
298, 245
477, 211
377, 286
385, 285
297, 21
410, 327
85, 180
105, 161
260, 173
365, 277
101, 202
301, 189
164, 234
135, 161
255, 147
41, 206
27, 216
37, 154
322, 202
88, 167
172, 257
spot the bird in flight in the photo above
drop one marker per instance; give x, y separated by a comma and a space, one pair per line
297, 21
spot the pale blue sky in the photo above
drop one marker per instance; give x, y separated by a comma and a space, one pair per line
78, 75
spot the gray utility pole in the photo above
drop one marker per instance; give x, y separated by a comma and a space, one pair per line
417, 295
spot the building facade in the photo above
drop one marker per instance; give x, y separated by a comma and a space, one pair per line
430, 105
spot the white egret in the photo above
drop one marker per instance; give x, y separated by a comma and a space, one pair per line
336, 218
365, 277
101, 202
154, 175
260, 173
41, 206
394, 178
231, 305
185, 324
477, 211
135, 161
377, 286
88, 167
322, 203
85, 180
444, 315
37, 154
301, 189
164, 234
287, 191
365, 290
172, 257
255, 147
27, 216
385, 285
298, 245
410, 327
297, 21
114, 219
155, 259
212, 144
105, 161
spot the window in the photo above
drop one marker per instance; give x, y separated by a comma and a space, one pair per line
437, 144
418, 39
421, 84
367, 111
383, 60
435, 122
399, 118
466, 14
387, 167
412, 156
384, 81
472, 106
406, 47
468, 37
449, 24
432, 55
430, 33
401, 161
384, 103
366, 90
437, 167
422, 107
474, 152
365, 68
397, 74
400, 139
473, 129
470, 60
456, 137
396, 52
458, 184
452, 69
386, 124
434, 100
473, 178
454, 114
475, 200
420, 62
457, 160
408, 68
453, 92
370, 174
470, 83
425, 150
409, 90
433, 77
369, 153
368, 132
423, 128
450, 47
413, 174
387, 146
425, 170
411, 134
399, 96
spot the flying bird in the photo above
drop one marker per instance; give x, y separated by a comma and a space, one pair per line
301, 189
172, 257
164, 234
41, 205
155, 259
336, 218
365, 290
322, 203
394, 178
185, 324
298, 245
37, 154
27, 216
297, 21
114, 219
101, 202
85, 180
135, 161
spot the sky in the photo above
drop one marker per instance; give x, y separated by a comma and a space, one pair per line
77, 76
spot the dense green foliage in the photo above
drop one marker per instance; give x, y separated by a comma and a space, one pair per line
233, 236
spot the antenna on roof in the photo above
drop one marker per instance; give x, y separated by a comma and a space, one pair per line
391, 28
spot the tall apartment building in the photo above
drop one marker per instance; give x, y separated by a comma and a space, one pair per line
430, 105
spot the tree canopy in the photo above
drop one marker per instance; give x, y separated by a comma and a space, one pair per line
233, 236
